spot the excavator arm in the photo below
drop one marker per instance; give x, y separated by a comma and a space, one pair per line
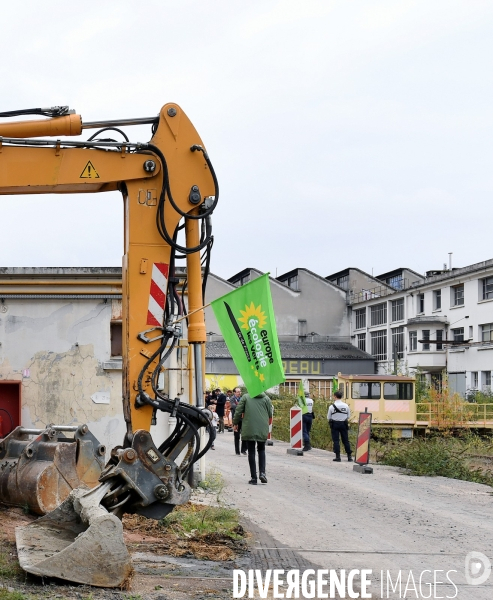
167, 184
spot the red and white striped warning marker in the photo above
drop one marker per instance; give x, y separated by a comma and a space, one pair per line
157, 294
296, 430
363, 444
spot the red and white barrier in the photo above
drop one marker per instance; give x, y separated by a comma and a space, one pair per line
296, 431
363, 444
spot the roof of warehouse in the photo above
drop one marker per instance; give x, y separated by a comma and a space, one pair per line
300, 350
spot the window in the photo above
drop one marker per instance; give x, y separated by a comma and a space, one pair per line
458, 295
439, 339
242, 280
289, 387
321, 388
398, 342
413, 341
397, 310
116, 338
421, 303
471, 332
486, 380
378, 314
361, 340
379, 344
437, 299
425, 335
486, 332
366, 390
396, 281
474, 380
292, 282
302, 330
458, 334
437, 381
343, 282
487, 288
397, 391
360, 318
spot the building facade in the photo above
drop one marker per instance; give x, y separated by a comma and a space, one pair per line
60, 349
440, 323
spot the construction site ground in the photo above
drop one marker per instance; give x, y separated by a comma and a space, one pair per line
313, 513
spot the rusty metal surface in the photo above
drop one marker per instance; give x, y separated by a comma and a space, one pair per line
78, 541
39, 468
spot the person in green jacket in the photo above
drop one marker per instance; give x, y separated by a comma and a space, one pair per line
256, 412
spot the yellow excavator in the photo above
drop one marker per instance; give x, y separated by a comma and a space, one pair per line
169, 189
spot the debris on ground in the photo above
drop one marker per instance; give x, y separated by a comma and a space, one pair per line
199, 531
178, 558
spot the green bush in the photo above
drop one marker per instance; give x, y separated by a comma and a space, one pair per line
434, 456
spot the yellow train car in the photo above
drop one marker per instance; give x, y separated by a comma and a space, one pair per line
390, 398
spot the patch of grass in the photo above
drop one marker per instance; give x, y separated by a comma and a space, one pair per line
434, 456
213, 482
9, 567
194, 520
6, 595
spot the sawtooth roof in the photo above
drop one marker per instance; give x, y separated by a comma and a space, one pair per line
300, 350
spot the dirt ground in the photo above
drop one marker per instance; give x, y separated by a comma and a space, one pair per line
165, 568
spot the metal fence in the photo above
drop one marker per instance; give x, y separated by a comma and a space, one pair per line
455, 414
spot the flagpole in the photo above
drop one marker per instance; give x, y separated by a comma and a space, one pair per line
192, 312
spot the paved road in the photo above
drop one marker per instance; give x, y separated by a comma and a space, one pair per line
339, 519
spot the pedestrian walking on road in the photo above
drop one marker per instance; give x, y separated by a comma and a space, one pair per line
243, 448
338, 417
214, 420
234, 400
220, 408
256, 413
307, 422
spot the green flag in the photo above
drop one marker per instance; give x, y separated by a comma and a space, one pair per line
335, 387
246, 319
301, 398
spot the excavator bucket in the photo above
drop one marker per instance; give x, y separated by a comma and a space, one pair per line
79, 541
82, 539
40, 467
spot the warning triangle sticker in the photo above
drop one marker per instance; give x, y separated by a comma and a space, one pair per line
89, 172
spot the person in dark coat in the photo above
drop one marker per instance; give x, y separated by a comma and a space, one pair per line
234, 401
220, 405
256, 413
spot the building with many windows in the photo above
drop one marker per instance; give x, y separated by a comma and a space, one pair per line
439, 323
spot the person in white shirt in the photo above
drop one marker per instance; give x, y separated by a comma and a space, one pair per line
338, 417
307, 422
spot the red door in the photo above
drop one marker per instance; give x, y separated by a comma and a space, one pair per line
10, 407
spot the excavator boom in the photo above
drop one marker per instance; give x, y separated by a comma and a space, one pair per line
167, 184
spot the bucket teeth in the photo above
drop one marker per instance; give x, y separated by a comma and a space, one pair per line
78, 541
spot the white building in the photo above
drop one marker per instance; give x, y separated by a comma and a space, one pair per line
441, 323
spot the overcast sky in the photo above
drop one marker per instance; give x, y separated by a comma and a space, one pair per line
342, 133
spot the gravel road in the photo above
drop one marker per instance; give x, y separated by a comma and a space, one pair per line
388, 521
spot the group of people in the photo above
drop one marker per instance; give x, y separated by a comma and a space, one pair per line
250, 424
248, 417
338, 417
